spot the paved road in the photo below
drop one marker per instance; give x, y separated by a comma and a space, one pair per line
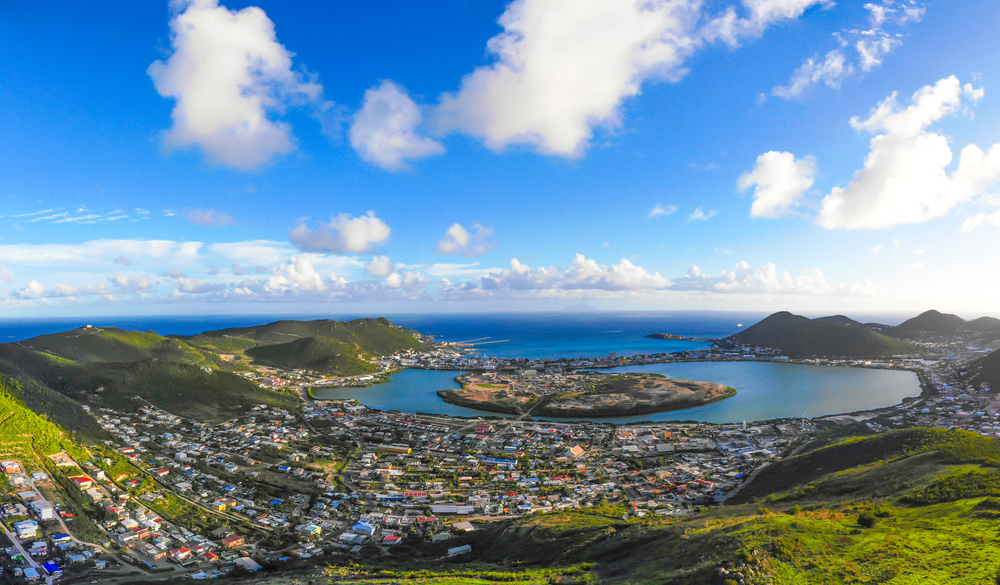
24, 553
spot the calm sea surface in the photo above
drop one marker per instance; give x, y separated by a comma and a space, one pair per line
764, 390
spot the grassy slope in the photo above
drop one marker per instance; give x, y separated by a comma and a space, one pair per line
799, 336
322, 345
313, 353
181, 388
26, 435
806, 537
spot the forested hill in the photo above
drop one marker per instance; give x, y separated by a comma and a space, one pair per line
800, 336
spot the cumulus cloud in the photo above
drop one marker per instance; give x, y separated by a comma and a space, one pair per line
779, 181
875, 249
297, 274
379, 266
582, 274
384, 131
458, 240
229, 75
767, 280
35, 290
563, 67
660, 209
343, 234
209, 218
409, 281
702, 215
197, 286
125, 284
174, 273
904, 179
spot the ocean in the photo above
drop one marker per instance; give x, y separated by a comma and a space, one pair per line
531, 335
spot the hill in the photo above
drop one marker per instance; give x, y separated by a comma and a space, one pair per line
319, 354
799, 336
929, 321
987, 370
982, 325
27, 436
840, 320
334, 347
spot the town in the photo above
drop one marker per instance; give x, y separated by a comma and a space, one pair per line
165, 497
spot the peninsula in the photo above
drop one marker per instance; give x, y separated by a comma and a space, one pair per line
589, 394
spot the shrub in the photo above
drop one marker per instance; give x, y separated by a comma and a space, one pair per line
866, 520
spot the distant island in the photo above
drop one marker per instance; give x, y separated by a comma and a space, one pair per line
584, 394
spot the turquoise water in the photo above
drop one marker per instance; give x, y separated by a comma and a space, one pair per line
764, 391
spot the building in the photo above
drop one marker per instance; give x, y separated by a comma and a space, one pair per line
233, 541
52, 569
43, 509
459, 550
26, 529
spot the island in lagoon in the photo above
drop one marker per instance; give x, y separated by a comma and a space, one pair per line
582, 394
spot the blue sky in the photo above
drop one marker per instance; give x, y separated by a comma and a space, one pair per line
200, 157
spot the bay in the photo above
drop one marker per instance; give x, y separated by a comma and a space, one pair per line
764, 390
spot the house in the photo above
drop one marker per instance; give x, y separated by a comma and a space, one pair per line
392, 539
459, 550
248, 564
43, 509
233, 541
26, 529
180, 554
52, 569
82, 482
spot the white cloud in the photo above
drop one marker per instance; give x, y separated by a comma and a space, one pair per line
904, 179
384, 131
767, 280
298, 274
125, 284
458, 240
875, 249
917, 265
832, 70
582, 274
197, 286
379, 266
702, 215
6, 275
870, 45
660, 209
563, 67
35, 290
342, 234
980, 219
409, 281
228, 74
779, 181
209, 218
98, 252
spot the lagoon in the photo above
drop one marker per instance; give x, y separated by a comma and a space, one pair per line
765, 390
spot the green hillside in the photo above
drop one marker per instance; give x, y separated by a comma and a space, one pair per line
799, 336
902, 508
314, 353
982, 325
181, 388
988, 370
839, 320
929, 321
323, 345
27, 436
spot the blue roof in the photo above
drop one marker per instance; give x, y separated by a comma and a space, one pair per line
51, 567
